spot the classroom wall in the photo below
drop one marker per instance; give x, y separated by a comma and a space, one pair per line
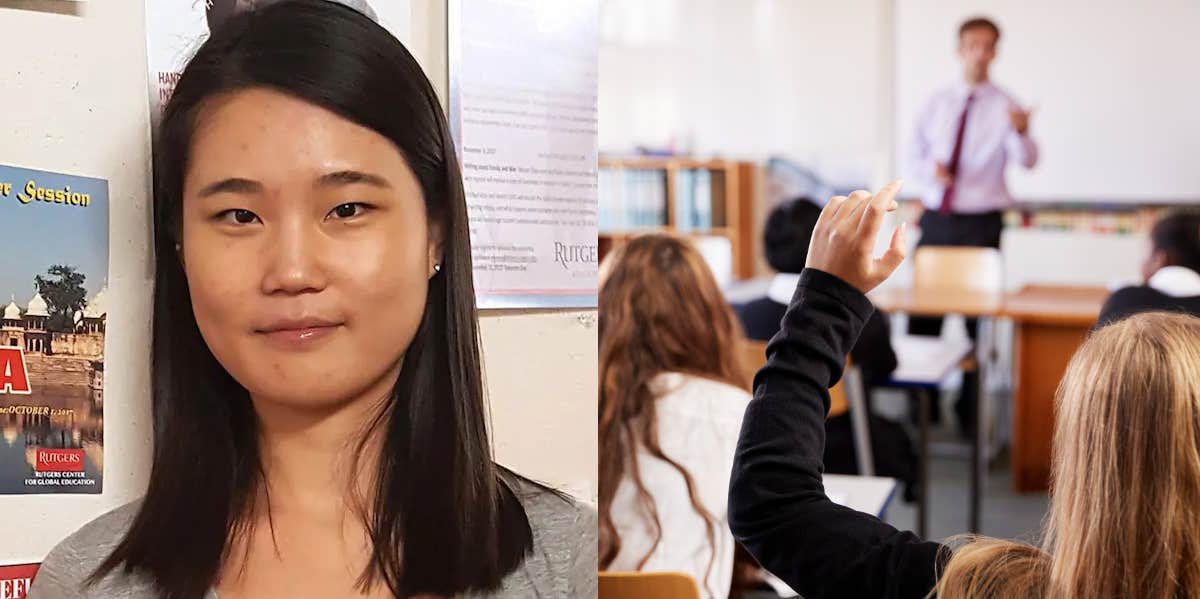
749, 79
75, 101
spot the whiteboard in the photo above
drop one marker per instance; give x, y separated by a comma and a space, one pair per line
1114, 84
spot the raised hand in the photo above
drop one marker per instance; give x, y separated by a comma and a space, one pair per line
843, 240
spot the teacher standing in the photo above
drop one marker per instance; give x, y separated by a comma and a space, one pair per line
966, 136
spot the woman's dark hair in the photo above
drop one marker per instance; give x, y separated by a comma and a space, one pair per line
444, 519
1178, 236
216, 12
787, 233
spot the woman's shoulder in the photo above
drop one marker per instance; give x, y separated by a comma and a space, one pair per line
555, 517
563, 560
66, 569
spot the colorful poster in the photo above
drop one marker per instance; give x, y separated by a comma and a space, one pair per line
54, 240
523, 77
15, 580
176, 28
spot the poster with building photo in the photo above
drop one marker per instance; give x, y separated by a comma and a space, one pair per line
54, 243
176, 28
523, 77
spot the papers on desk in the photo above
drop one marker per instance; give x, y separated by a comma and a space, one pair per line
867, 494
780, 587
927, 360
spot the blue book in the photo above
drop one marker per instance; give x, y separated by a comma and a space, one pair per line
702, 200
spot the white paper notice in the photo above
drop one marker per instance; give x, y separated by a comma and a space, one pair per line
176, 28
523, 109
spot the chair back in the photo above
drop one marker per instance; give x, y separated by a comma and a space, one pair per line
647, 585
952, 268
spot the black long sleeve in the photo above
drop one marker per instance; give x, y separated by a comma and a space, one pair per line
777, 504
873, 353
1128, 301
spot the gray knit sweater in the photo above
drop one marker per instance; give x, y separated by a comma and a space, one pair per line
562, 565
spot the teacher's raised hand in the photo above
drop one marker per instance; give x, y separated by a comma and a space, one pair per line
843, 241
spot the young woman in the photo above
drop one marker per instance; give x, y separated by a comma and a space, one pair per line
320, 417
1126, 455
670, 409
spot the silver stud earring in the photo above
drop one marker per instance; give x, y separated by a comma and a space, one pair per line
437, 268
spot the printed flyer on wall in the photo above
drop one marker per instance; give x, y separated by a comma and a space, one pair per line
54, 240
15, 580
523, 80
176, 28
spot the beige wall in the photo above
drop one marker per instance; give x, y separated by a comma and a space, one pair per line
75, 101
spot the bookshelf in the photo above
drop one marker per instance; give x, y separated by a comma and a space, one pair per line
684, 196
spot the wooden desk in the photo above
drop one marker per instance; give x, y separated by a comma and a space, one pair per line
1050, 323
924, 362
934, 301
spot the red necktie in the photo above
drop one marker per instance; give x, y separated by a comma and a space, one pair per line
947, 195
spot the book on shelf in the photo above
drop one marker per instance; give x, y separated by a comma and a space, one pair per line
631, 199
693, 199
635, 199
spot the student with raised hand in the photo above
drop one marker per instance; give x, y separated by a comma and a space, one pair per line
1171, 272
671, 405
1126, 464
786, 236
320, 419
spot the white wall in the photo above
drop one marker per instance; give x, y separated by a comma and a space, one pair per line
75, 101
748, 79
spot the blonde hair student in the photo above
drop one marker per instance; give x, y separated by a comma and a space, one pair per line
1126, 501
670, 409
1126, 468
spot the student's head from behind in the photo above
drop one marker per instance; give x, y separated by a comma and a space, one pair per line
1174, 241
1125, 472
313, 263
977, 40
660, 312
787, 234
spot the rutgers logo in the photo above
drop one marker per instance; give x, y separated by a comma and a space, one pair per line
14, 378
59, 460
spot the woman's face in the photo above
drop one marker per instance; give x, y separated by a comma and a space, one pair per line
306, 249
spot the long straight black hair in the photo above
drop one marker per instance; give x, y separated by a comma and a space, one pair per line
444, 519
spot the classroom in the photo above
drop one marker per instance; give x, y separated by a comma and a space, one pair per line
1049, 187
